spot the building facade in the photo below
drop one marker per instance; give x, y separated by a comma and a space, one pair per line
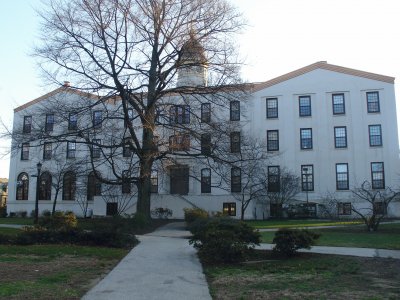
332, 126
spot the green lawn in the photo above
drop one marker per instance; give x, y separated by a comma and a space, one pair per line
308, 276
9, 231
53, 271
300, 223
18, 221
387, 237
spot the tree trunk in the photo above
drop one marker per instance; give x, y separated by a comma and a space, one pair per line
144, 188
55, 201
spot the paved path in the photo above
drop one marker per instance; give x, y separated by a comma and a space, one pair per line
163, 266
363, 252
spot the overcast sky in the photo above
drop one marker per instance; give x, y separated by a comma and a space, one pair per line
283, 35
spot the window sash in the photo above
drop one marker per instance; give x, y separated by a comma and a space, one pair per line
206, 181
305, 106
307, 178
340, 137
272, 140
47, 151
272, 108
97, 119
71, 149
375, 135
273, 179
236, 180
72, 121
179, 114
235, 142
342, 177
377, 175
205, 112
27, 127
49, 126
373, 104
344, 208
96, 148
338, 104
205, 144
306, 138
235, 111
25, 151
229, 208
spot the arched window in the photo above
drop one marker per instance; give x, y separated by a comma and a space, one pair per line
22, 186
45, 186
69, 186
93, 186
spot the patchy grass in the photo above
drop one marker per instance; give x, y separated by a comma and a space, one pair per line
9, 231
300, 223
387, 237
53, 271
17, 221
308, 276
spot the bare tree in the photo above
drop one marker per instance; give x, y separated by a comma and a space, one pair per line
377, 201
112, 194
282, 187
135, 55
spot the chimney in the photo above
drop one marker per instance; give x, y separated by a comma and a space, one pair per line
67, 84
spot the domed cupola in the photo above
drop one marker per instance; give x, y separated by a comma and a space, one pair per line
192, 66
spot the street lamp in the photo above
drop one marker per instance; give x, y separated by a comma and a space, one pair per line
39, 167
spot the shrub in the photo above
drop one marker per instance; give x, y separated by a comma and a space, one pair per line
192, 214
288, 241
3, 212
223, 239
21, 214
58, 221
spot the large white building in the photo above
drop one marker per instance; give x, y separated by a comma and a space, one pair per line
333, 126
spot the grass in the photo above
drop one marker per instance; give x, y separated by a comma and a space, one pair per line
308, 276
53, 271
265, 224
17, 221
387, 237
9, 231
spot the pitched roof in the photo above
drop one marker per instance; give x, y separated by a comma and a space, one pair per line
325, 66
64, 89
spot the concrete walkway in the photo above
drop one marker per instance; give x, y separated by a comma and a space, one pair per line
163, 266
363, 252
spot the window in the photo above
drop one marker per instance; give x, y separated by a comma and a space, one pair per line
69, 186
179, 114
47, 151
45, 186
179, 180
344, 208
71, 149
126, 183
275, 209
127, 147
305, 106
49, 123
205, 144
180, 142
206, 180
274, 179
307, 178
130, 118
373, 102
235, 142
27, 128
97, 119
206, 112
379, 208
154, 181
342, 177
22, 186
377, 175
93, 186
306, 138
236, 180
72, 121
112, 209
96, 151
272, 108
25, 151
375, 135
272, 140
338, 104
235, 111
229, 208
340, 137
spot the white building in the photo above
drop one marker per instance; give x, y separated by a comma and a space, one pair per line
334, 127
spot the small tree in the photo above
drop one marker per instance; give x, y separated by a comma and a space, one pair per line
282, 189
377, 203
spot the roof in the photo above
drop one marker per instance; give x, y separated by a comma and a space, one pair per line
325, 66
256, 86
64, 89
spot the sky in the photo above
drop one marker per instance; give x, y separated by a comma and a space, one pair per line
281, 36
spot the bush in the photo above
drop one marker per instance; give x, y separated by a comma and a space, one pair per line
3, 212
21, 214
192, 214
288, 241
223, 239
58, 221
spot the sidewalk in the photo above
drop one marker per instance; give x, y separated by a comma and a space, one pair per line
163, 266
363, 252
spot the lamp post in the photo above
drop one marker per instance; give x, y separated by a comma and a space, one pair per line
39, 167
